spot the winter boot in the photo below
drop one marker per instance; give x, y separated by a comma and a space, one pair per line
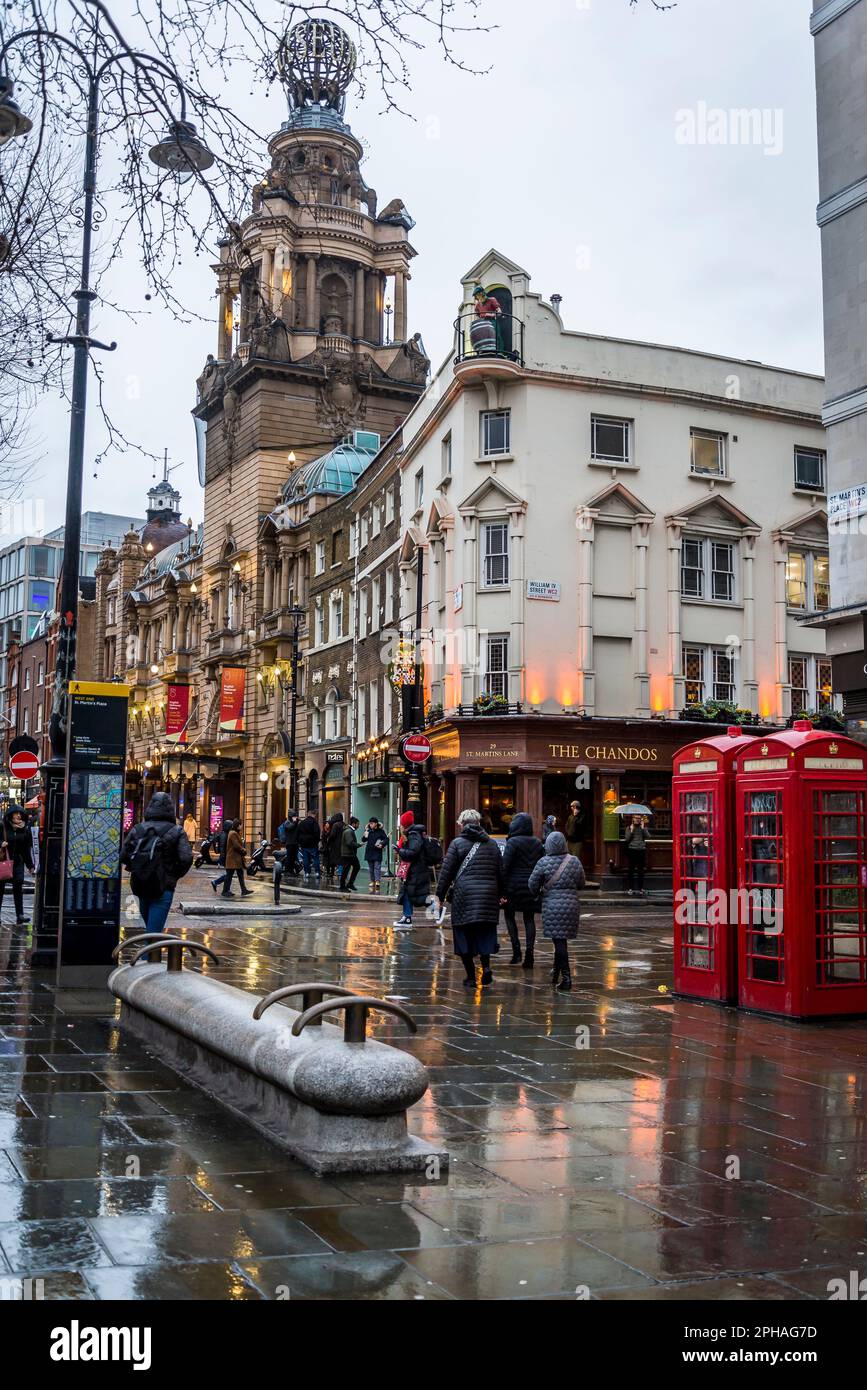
487, 977
555, 973
529, 960
516, 956
565, 983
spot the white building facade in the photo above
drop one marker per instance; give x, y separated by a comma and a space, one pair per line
613, 533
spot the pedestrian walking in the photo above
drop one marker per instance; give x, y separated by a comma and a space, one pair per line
16, 855
287, 834
375, 843
334, 850
349, 862
636, 841
558, 878
521, 854
158, 854
236, 859
473, 872
309, 835
191, 830
415, 877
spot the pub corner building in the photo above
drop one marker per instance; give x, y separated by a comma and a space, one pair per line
540, 764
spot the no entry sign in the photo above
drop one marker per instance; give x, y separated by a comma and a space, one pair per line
416, 748
24, 766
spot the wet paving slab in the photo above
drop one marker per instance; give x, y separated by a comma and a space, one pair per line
614, 1143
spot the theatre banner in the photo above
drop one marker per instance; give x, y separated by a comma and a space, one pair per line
177, 713
232, 699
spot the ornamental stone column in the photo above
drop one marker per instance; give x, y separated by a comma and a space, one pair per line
310, 299
472, 654
586, 524
782, 685
517, 599
641, 540
750, 695
360, 291
675, 640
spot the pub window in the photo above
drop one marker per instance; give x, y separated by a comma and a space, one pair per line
707, 453
497, 664
609, 439
496, 432
709, 674
707, 569
810, 679
807, 580
495, 551
810, 469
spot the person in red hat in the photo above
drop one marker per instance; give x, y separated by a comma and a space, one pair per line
413, 868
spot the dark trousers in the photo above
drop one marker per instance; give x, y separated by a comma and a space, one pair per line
512, 928
226, 881
349, 871
635, 862
17, 890
561, 956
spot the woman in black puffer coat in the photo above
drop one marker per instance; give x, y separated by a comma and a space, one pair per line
17, 844
559, 877
473, 869
521, 854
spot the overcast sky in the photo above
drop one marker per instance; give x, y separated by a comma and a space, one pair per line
590, 155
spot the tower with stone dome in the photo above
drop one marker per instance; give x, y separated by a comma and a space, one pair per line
313, 347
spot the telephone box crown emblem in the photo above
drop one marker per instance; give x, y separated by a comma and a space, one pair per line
834, 748
764, 750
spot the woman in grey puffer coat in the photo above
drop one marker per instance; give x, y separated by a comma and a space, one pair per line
559, 878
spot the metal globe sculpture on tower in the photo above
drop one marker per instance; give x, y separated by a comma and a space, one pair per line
316, 61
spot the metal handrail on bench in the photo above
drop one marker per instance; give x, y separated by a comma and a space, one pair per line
357, 1007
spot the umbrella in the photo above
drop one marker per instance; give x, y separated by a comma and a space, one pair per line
632, 808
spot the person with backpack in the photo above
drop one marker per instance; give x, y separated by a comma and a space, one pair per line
158, 854
350, 866
16, 855
287, 834
415, 877
375, 843
473, 872
521, 853
559, 878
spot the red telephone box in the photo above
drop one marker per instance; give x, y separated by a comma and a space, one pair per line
802, 874
705, 866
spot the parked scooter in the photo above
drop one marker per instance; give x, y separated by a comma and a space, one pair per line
257, 863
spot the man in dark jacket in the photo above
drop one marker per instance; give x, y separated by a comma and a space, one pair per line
375, 846
287, 834
473, 870
168, 852
309, 833
17, 843
521, 854
349, 863
335, 827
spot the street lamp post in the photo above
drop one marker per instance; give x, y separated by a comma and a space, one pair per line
183, 153
297, 615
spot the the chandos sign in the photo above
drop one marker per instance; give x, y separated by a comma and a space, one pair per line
604, 753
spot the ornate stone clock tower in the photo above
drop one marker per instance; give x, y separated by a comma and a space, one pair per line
310, 286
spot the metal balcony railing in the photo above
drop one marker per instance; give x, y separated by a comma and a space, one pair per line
480, 338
